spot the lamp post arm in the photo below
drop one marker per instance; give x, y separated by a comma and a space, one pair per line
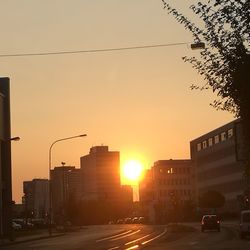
50, 186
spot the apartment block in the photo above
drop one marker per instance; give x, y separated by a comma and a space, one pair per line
36, 198
66, 185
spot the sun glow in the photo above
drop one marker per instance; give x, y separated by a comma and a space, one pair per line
132, 171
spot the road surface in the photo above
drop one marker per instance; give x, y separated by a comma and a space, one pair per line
150, 237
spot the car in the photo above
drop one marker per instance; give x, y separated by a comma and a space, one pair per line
244, 223
128, 220
210, 222
135, 220
16, 226
120, 221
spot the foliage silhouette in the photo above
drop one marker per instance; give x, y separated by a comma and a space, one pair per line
225, 62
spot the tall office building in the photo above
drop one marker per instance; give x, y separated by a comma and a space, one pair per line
218, 158
36, 198
101, 175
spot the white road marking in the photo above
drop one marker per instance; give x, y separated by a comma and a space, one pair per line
114, 236
156, 237
133, 247
133, 241
113, 248
126, 235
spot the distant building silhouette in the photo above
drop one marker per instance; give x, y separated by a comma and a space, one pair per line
218, 158
101, 175
66, 184
36, 198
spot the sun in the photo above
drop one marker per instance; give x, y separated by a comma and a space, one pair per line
132, 170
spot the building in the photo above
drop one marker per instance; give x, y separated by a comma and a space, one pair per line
127, 193
168, 185
173, 177
36, 198
66, 186
5, 161
146, 195
101, 175
218, 158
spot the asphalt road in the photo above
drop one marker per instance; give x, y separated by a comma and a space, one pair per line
112, 237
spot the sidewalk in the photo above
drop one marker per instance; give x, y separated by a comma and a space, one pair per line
34, 235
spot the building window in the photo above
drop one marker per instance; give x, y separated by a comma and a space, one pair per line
230, 133
204, 144
216, 139
210, 142
199, 147
223, 136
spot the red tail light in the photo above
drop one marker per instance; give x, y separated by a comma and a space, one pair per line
218, 222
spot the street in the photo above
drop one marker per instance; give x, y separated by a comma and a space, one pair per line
126, 237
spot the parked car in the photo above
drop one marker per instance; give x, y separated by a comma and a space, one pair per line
244, 223
142, 220
24, 224
135, 220
210, 222
16, 226
119, 221
128, 220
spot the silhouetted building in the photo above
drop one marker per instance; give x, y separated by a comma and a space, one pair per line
5, 161
127, 193
66, 184
218, 159
101, 175
146, 191
18, 210
146, 195
36, 198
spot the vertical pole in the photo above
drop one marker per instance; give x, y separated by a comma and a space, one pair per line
50, 194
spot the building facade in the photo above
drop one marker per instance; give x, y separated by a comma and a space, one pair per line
168, 185
218, 158
173, 177
36, 198
66, 186
5, 161
101, 175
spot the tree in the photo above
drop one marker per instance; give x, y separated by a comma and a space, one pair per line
211, 199
225, 62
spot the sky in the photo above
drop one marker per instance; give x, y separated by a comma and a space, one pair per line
137, 102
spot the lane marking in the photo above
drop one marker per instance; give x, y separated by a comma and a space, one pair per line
113, 248
154, 238
133, 241
111, 237
133, 247
123, 236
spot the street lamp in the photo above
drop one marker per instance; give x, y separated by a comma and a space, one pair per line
50, 188
198, 45
17, 138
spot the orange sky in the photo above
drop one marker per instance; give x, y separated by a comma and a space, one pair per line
136, 102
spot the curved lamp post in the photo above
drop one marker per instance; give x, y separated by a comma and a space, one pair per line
50, 189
